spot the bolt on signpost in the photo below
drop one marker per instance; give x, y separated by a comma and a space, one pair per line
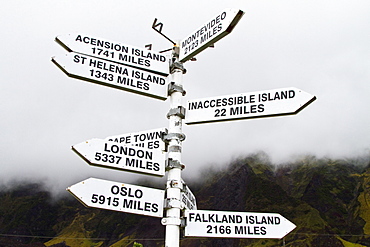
153, 152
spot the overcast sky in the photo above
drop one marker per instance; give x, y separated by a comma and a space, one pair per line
321, 47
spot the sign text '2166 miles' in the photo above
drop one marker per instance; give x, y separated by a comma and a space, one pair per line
208, 223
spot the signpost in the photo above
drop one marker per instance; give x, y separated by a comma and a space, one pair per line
151, 139
206, 223
270, 103
145, 72
109, 154
209, 33
98, 193
116, 52
112, 74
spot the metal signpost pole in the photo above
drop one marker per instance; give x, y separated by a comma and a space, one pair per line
174, 138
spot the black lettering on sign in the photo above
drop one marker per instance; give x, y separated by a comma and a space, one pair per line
215, 218
125, 191
152, 145
139, 205
211, 33
148, 54
191, 47
122, 139
134, 60
250, 230
134, 163
146, 165
100, 75
218, 229
78, 59
148, 77
268, 220
127, 203
220, 112
102, 52
154, 207
102, 43
107, 158
101, 199
128, 151
288, 94
239, 110
133, 83
147, 136
205, 32
108, 66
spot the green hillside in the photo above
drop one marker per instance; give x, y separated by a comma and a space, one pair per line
328, 200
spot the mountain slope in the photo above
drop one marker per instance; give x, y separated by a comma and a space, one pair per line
328, 200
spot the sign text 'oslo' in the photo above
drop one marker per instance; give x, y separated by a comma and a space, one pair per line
116, 196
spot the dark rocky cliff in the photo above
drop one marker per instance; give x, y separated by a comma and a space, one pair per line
327, 199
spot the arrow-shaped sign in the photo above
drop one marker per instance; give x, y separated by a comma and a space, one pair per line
206, 223
270, 103
209, 33
98, 193
109, 154
115, 51
112, 74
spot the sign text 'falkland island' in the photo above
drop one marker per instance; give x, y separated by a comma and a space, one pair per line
103, 194
116, 52
278, 102
208, 34
109, 154
112, 74
206, 223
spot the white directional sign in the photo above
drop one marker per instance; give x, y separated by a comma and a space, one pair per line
188, 198
122, 157
151, 139
205, 223
98, 193
112, 74
115, 51
278, 102
209, 33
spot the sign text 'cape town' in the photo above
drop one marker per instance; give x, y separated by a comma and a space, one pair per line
116, 196
270, 103
150, 139
113, 74
209, 33
109, 154
206, 223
